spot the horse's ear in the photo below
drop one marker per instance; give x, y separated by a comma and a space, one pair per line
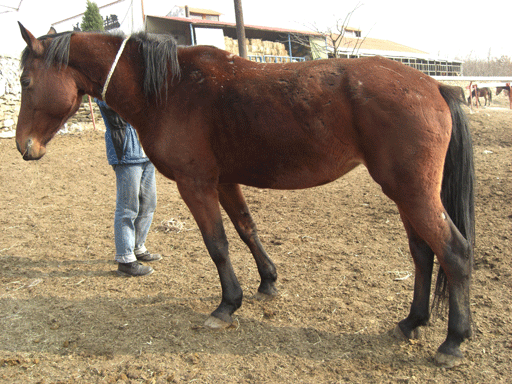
51, 31
33, 44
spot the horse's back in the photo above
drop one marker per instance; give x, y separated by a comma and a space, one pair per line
280, 125
298, 125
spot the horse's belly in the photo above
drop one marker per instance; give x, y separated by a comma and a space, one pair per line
291, 177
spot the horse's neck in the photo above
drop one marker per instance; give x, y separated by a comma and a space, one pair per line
93, 56
91, 64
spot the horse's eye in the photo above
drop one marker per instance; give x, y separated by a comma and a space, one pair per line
25, 82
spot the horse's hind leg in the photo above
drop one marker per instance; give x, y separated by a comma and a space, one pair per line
419, 314
457, 263
233, 202
434, 226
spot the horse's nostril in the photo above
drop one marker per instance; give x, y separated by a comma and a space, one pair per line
28, 145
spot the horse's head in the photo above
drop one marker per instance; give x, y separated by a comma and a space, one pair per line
49, 96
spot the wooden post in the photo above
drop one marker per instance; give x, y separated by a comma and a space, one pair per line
471, 96
92, 113
240, 29
509, 95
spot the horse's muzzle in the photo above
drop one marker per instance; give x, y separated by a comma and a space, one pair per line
31, 151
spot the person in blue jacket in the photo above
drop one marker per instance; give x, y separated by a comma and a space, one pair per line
135, 195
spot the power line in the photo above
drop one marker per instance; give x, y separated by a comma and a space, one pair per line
11, 9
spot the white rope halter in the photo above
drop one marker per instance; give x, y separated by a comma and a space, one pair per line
113, 68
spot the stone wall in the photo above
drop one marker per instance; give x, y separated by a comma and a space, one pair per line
9, 93
10, 99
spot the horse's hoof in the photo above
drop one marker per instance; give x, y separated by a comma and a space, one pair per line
213, 322
399, 334
448, 361
266, 291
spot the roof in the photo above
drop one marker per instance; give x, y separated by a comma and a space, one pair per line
221, 24
370, 43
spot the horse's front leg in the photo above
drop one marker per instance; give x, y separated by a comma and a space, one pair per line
233, 202
202, 200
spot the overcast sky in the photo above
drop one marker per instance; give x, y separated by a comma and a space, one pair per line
448, 28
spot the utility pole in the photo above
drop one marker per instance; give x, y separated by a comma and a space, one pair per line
240, 29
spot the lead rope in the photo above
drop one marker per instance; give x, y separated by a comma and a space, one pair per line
113, 68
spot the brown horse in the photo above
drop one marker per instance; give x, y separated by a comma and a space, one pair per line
486, 93
211, 120
505, 88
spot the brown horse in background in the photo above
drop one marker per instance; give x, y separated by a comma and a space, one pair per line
486, 93
211, 120
505, 88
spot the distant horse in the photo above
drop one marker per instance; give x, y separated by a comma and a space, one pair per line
505, 88
486, 93
211, 120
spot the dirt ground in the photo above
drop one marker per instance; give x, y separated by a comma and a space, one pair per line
344, 280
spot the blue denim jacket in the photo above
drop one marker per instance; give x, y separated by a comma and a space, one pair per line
122, 142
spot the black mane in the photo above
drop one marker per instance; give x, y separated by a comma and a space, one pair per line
160, 54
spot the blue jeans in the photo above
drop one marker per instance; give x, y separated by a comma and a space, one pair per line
135, 205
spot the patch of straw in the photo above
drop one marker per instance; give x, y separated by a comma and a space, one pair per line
171, 225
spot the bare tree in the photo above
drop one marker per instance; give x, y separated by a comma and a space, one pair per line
334, 37
492, 66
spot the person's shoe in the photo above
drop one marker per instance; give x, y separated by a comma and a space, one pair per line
146, 256
134, 269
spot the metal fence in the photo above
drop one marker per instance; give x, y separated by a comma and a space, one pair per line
275, 59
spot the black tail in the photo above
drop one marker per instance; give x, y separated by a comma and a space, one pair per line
457, 193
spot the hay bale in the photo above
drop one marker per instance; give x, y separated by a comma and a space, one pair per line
257, 47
